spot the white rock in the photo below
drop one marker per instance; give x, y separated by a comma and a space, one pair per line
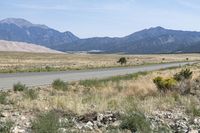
4, 114
89, 125
193, 131
17, 129
99, 117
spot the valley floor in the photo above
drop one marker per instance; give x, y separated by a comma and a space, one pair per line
11, 62
126, 104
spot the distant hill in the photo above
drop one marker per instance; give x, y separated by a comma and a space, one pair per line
153, 40
147, 41
16, 29
24, 47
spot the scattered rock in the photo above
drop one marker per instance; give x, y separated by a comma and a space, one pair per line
96, 121
175, 120
89, 125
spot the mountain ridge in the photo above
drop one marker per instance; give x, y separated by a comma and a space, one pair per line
147, 41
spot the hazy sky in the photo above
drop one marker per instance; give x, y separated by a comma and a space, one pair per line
87, 18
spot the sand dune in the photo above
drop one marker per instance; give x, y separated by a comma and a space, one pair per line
24, 47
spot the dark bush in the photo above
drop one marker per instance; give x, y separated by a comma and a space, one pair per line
60, 85
19, 87
122, 60
136, 122
30, 94
46, 123
193, 110
5, 127
48, 68
183, 74
3, 96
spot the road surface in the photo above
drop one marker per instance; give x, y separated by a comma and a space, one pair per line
46, 78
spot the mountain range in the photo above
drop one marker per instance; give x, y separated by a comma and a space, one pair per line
147, 41
15, 29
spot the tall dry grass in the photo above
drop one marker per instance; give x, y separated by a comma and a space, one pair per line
138, 92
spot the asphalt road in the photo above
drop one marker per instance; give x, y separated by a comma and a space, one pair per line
46, 78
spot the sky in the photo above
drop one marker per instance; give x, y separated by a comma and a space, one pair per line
99, 18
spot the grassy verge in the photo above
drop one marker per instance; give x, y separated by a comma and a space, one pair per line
100, 82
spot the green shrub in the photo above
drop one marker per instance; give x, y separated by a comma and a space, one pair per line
60, 85
196, 111
19, 87
6, 126
46, 123
48, 68
164, 85
136, 122
183, 74
3, 96
193, 110
30, 94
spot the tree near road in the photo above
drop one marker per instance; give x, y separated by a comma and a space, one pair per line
122, 61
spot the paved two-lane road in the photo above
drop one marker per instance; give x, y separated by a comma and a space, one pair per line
45, 78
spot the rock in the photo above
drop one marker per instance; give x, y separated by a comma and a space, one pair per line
18, 129
79, 126
196, 121
116, 124
16, 114
100, 117
23, 118
88, 117
193, 131
62, 130
4, 114
89, 125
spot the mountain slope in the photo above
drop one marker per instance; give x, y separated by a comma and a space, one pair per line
24, 47
15, 29
153, 40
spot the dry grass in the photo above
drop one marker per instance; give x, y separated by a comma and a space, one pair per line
120, 95
18, 61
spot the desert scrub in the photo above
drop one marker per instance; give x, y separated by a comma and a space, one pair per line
183, 74
46, 123
60, 85
135, 122
193, 109
30, 94
5, 127
3, 96
165, 85
19, 87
